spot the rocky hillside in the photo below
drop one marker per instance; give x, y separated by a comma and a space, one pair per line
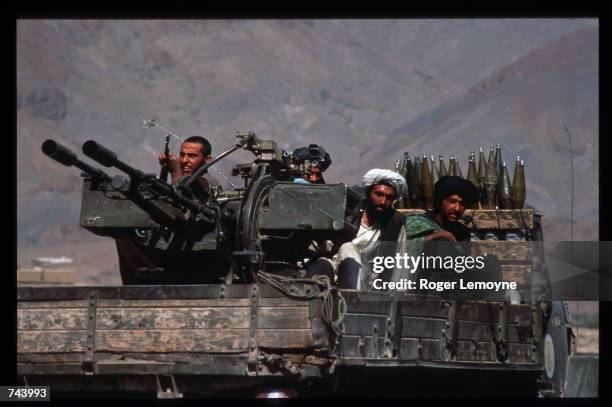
365, 90
526, 107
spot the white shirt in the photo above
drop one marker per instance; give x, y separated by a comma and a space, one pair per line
366, 236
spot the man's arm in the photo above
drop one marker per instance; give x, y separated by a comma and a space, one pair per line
443, 234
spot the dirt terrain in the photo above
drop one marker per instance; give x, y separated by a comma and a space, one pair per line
587, 340
95, 263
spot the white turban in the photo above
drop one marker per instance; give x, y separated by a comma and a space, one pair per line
380, 176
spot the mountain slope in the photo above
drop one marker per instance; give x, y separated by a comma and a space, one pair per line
525, 106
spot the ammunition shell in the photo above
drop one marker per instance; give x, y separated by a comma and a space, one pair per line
427, 183
418, 165
458, 167
473, 175
498, 171
490, 182
443, 171
504, 189
434, 171
498, 159
405, 171
452, 167
519, 192
414, 186
482, 164
491, 161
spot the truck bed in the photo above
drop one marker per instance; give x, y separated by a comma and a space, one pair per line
136, 338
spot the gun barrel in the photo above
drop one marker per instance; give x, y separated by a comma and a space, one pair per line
107, 158
65, 156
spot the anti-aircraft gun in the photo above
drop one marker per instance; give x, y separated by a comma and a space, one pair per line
185, 233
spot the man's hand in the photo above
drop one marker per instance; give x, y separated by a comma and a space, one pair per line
441, 233
171, 161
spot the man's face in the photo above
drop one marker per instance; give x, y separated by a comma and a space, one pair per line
314, 176
381, 198
192, 158
452, 208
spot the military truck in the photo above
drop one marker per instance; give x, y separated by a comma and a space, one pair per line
215, 300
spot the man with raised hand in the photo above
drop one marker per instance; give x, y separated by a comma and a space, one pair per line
195, 152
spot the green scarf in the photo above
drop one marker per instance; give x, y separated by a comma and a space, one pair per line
417, 227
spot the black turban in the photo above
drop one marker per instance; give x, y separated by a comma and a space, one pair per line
313, 152
452, 185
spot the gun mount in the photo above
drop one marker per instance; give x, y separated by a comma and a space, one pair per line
187, 233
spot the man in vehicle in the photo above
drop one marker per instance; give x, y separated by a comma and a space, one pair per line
313, 160
440, 233
452, 194
195, 152
380, 222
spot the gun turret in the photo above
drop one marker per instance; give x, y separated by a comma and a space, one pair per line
65, 156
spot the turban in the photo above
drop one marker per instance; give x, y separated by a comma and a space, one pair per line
385, 177
313, 152
452, 185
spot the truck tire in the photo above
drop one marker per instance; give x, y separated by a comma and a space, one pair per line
556, 352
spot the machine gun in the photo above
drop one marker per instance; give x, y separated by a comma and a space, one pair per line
165, 231
141, 188
145, 190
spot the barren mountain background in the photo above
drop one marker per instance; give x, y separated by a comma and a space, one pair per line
366, 90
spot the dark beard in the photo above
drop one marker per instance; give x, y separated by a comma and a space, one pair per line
460, 232
382, 218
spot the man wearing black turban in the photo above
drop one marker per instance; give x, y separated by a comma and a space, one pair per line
451, 196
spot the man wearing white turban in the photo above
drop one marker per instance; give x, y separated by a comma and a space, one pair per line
380, 222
